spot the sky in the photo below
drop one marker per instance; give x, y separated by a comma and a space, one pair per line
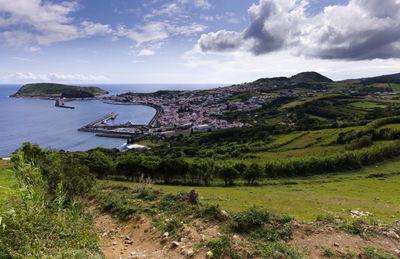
195, 41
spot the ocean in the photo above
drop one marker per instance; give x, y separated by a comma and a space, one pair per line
38, 121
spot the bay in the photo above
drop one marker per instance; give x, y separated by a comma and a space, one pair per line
38, 121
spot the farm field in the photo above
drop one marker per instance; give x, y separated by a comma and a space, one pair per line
374, 189
6, 178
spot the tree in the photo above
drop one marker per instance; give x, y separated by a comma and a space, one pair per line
129, 166
99, 164
253, 173
228, 174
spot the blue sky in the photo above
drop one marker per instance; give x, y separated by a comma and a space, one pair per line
195, 41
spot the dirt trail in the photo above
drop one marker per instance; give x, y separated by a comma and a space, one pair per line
137, 238
316, 240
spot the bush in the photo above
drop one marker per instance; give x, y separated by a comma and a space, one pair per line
250, 219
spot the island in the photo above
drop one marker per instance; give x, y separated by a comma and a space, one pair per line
52, 90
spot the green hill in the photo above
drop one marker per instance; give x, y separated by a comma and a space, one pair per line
310, 77
58, 90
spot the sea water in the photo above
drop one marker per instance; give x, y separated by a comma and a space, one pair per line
38, 121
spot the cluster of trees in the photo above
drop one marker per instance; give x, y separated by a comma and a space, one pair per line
363, 137
177, 170
327, 164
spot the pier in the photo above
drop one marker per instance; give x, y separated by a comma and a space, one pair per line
92, 126
60, 103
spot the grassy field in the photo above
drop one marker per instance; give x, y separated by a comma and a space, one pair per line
6, 179
375, 189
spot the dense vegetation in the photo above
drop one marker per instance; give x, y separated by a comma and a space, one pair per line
42, 217
58, 90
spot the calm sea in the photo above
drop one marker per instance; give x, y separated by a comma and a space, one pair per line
40, 122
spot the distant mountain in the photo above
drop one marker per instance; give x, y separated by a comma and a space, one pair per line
393, 78
311, 77
397, 76
304, 77
58, 90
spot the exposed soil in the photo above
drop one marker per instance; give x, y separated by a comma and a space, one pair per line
137, 238
316, 239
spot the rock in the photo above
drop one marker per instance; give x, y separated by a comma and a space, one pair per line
279, 255
193, 197
236, 237
225, 214
296, 224
164, 240
392, 234
337, 217
127, 238
114, 243
377, 198
175, 244
396, 252
189, 252
166, 234
202, 238
209, 254
336, 244
183, 239
129, 242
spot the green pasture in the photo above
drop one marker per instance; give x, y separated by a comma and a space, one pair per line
6, 178
368, 105
391, 126
375, 189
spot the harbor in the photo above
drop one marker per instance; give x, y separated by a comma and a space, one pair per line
126, 130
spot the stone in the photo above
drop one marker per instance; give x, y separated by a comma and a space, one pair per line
129, 242
164, 240
174, 244
193, 197
225, 214
202, 238
127, 238
114, 243
336, 244
278, 254
392, 234
166, 234
190, 252
396, 252
209, 254
236, 237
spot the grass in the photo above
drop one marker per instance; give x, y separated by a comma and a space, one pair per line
6, 178
307, 198
391, 126
368, 105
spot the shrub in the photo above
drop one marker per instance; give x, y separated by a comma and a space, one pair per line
250, 219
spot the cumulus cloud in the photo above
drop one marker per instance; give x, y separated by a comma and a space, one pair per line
40, 22
157, 31
56, 77
362, 29
146, 53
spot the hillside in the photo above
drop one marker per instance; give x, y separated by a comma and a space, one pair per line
58, 90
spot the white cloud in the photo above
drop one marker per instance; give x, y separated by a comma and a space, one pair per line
362, 29
25, 22
146, 52
90, 28
23, 59
153, 31
157, 31
54, 77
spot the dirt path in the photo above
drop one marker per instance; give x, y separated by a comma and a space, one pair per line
134, 239
316, 240
137, 238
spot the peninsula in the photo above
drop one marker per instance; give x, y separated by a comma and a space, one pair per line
52, 90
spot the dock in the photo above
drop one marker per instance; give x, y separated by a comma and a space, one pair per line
60, 103
91, 126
